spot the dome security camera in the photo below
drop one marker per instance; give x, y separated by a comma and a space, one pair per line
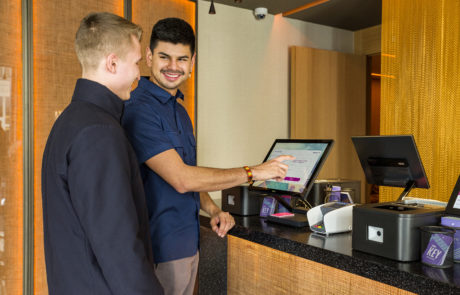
260, 12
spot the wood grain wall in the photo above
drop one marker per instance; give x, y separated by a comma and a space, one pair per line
56, 70
328, 101
11, 150
368, 41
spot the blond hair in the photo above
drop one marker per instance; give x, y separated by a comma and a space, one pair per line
103, 33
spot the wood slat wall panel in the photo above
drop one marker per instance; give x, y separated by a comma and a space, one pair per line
11, 150
328, 101
56, 70
368, 41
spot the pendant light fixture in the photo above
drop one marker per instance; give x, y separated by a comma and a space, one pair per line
212, 10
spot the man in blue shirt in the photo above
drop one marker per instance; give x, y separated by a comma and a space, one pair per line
162, 135
95, 221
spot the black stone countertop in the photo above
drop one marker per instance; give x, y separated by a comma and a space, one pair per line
336, 251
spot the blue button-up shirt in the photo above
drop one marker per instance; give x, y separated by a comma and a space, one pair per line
155, 122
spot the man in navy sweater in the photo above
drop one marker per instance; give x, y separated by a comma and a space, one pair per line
94, 213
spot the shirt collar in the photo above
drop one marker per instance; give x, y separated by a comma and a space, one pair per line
98, 94
159, 93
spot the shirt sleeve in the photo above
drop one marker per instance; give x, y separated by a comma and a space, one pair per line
100, 185
145, 131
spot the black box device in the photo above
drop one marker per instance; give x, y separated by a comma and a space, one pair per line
240, 201
391, 229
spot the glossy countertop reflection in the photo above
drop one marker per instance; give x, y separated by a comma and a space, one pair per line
336, 251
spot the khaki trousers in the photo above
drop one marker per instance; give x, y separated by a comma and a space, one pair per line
178, 276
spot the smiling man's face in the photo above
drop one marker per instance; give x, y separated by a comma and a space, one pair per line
170, 65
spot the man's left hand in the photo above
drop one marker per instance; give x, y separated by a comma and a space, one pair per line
221, 223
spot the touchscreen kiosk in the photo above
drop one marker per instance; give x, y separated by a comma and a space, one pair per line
392, 229
309, 158
391, 161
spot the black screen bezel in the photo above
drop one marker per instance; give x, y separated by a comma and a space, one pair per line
315, 172
390, 146
450, 205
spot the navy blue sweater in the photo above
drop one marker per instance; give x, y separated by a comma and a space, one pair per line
94, 213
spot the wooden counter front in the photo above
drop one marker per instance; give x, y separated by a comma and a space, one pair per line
257, 269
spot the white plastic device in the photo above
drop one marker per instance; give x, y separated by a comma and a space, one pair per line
331, 218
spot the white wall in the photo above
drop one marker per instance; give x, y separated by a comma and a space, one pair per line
243, 81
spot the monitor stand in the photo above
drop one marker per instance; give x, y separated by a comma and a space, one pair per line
409, 186
297, 220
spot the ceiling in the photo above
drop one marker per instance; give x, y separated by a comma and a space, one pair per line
345, 14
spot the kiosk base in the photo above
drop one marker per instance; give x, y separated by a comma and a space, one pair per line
392, 229
297, 220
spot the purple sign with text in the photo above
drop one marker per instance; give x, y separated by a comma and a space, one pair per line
437, 249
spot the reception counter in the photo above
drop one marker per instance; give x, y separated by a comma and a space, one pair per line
267, 258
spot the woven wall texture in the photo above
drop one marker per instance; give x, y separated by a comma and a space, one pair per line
421, 87
11, 149
56, 70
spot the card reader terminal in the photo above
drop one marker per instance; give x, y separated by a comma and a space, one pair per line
319, 227
332, 217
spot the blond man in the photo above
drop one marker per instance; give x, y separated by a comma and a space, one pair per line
95, 220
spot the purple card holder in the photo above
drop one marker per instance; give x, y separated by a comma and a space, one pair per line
453, 222
335, 194
268, 207
437, 249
